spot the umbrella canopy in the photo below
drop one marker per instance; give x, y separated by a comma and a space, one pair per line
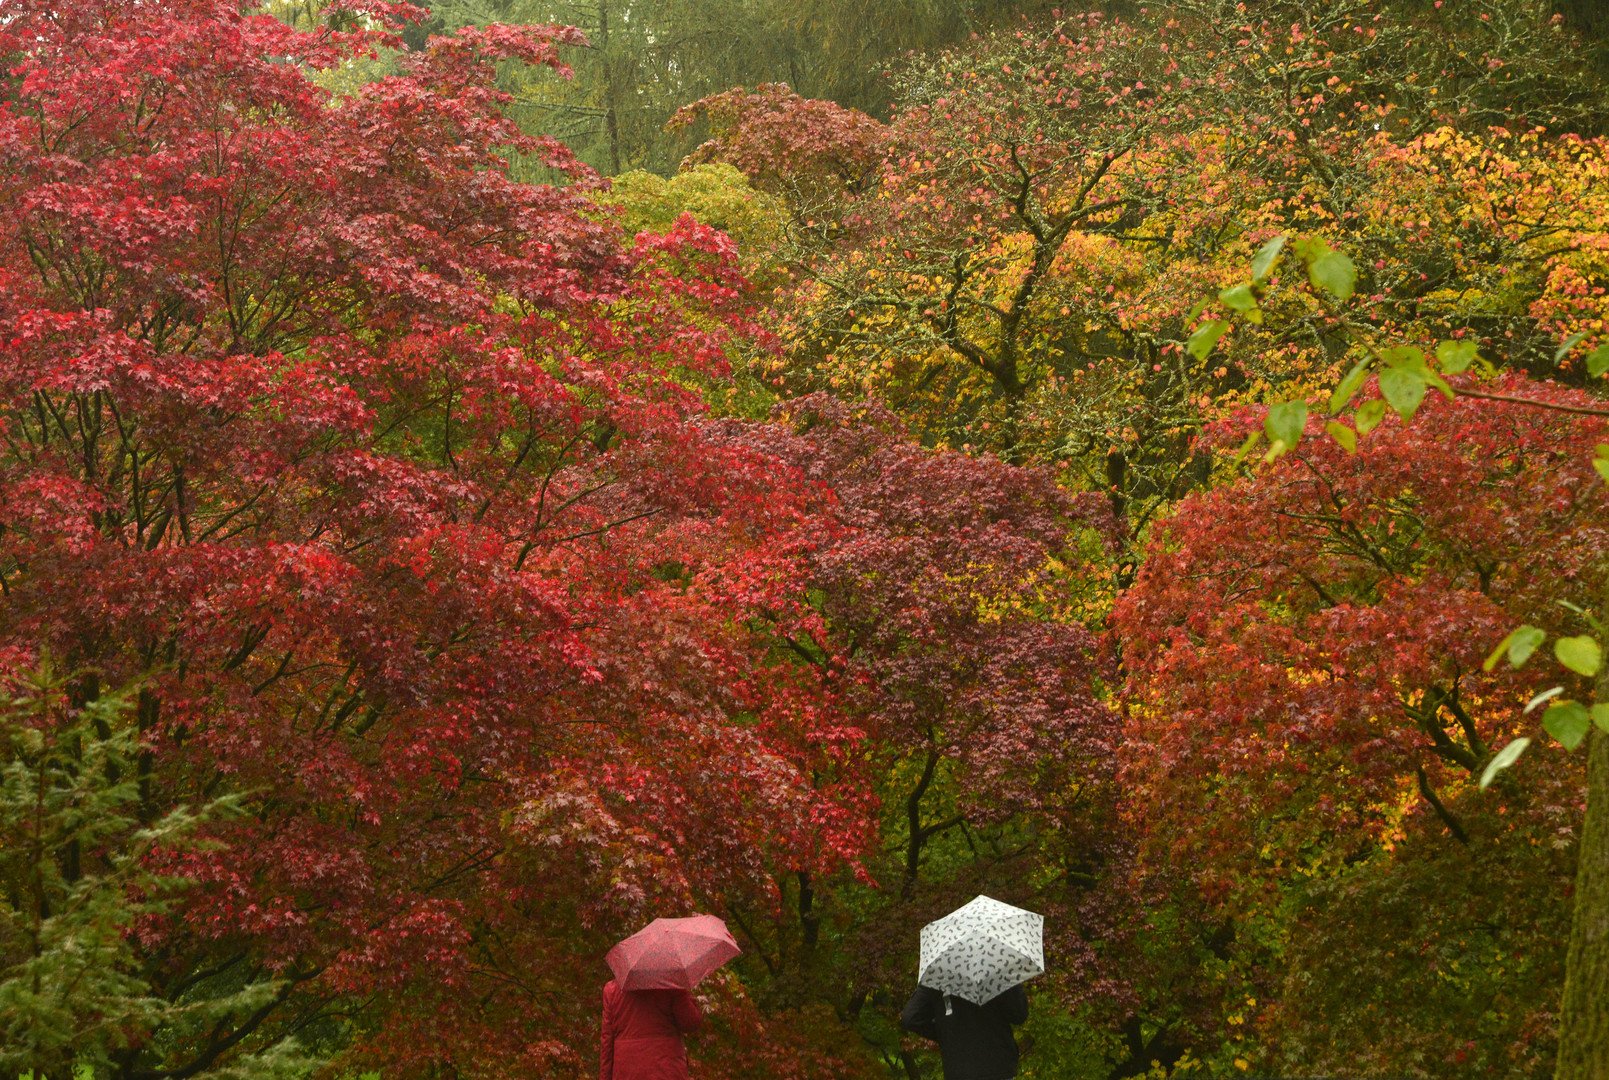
982, 949
672, 954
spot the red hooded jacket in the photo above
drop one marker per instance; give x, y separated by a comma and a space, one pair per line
642, 1033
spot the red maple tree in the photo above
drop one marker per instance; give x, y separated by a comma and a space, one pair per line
1305, 646
380, 475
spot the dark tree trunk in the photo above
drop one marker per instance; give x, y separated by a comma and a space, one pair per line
1584, 1024
611, 121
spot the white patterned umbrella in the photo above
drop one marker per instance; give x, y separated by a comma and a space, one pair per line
982, 949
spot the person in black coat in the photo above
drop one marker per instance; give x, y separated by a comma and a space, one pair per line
975, 1041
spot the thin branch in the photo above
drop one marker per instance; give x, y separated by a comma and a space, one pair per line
1583, 410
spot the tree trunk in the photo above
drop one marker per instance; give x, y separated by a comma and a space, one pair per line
809, 917
611, 121
1584, 1016
917, 835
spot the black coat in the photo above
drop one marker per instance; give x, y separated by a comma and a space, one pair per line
975, 1041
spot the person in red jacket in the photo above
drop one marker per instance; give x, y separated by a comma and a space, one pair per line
642, 1033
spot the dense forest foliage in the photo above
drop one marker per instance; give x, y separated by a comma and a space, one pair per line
475, 479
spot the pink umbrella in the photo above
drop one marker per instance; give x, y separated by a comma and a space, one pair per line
672, 954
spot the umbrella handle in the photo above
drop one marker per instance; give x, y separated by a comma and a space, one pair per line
948, 1008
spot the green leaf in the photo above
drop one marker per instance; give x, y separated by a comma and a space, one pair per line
1405, 356
1242, 299
1456, 356
1505, 757
1521, 642
1568, 722
1348, 386
1310, 248
1526, 641
1369, 415
1285, 422
1246, 447
1542, 698
1267, 257
1195, 312
1602, 465
1569, 343
1600, 716
1335, 274
1410, 359
1440, 384
1205, 337
1598, 360
1404, 389
1238, 298
1580, 654
1343, 435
